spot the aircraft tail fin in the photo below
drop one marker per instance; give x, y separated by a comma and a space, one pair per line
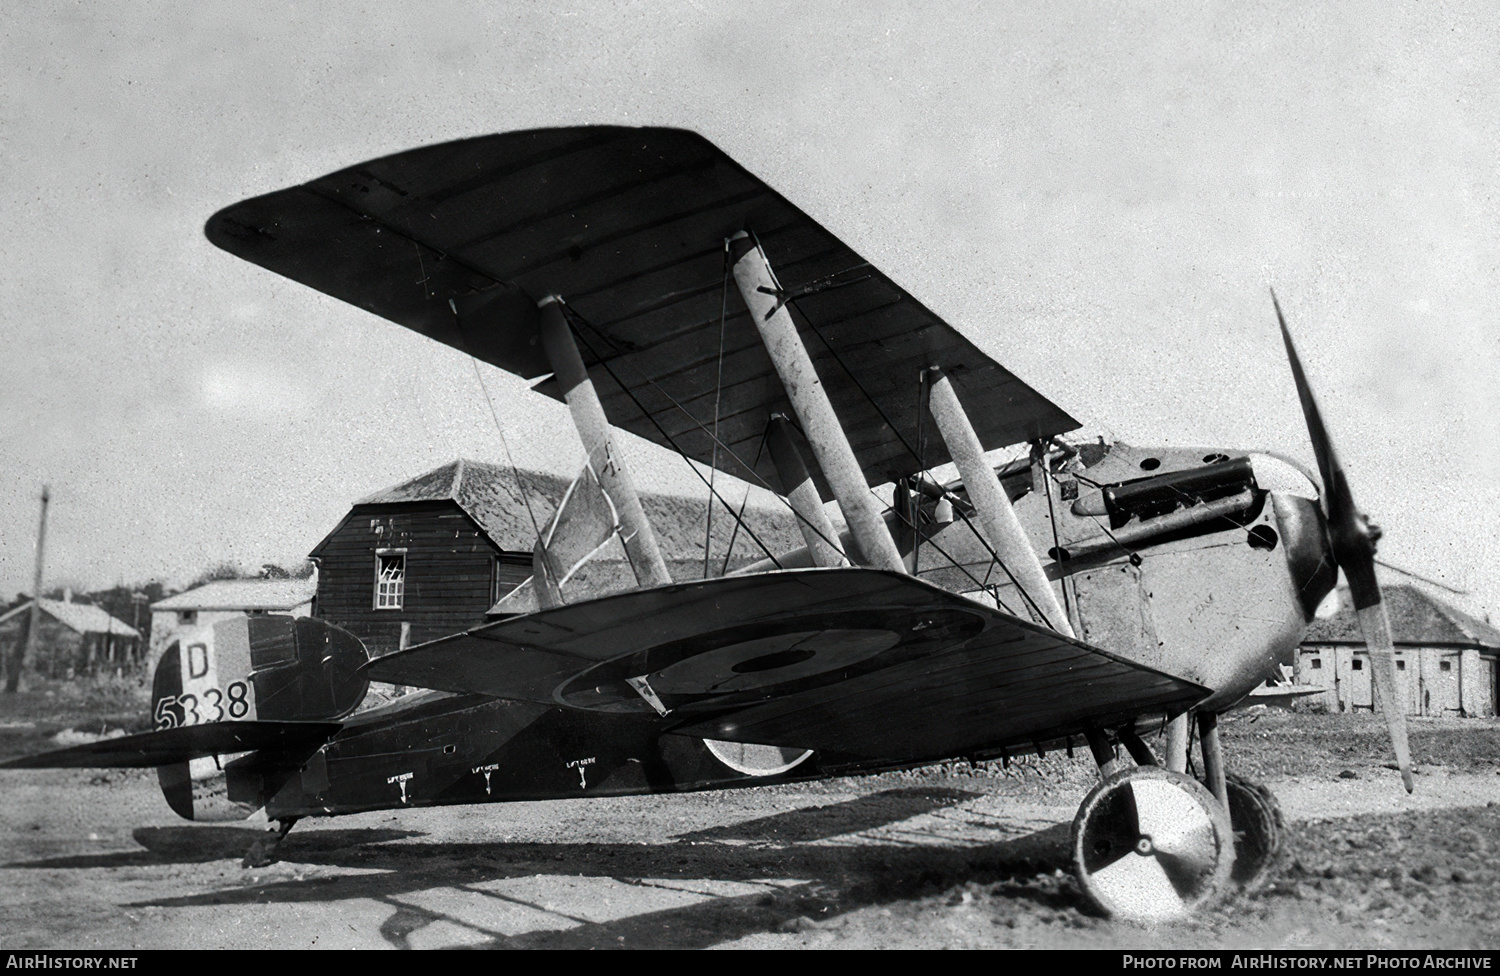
247, 701
238, 705
270, 668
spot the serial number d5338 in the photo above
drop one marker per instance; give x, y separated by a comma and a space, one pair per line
230, 704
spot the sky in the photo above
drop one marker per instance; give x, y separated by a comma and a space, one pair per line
1098, 194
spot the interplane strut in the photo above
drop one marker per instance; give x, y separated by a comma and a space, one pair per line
752, 273
594, 429
802, 494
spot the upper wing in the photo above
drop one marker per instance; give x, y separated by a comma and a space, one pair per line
456, 241
858, 661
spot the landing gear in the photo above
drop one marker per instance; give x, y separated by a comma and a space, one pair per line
1151, 845
263, 852
1253, 811
1256, 818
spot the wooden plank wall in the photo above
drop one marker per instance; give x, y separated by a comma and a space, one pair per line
450, 566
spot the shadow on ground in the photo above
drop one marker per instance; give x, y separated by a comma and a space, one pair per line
802, 877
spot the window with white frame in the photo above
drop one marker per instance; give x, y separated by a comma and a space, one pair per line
390, 579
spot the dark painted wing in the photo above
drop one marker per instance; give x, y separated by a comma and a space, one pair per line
858, 661
167, 746
455, 241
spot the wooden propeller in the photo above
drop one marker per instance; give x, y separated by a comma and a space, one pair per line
1353, 539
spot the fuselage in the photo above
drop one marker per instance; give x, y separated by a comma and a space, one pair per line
436, 748
1203, 564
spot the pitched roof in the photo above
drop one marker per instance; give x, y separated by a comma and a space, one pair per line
496, 497
81, 617
1416, 618
243, 594
493, 496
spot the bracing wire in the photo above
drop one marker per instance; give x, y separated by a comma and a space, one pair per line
573, 314
791, 302
916, 453
713, 467
789, 299
922, 394
744, 502
668, 437
994, 588
994, 561
514, 470
408, 233
997, 561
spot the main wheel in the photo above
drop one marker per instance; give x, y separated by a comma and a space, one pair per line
1256, 818
1151, 845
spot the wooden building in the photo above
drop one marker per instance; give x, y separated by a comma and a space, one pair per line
430, 556
223, 599
73, 639
1445, 658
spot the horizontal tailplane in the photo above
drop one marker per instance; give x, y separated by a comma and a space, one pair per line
167, 747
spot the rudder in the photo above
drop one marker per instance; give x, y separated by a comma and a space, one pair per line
270, 669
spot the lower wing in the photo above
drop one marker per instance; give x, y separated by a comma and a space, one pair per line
859, 661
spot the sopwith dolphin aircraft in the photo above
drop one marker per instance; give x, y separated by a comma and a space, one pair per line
1087, 595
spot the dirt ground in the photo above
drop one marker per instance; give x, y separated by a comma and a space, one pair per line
946, 857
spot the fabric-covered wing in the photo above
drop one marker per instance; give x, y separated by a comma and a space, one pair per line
859, 661
167, 746
455, 241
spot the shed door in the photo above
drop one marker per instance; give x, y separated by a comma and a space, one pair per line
1315, 668
1361, 692
1408, 682
1443, 698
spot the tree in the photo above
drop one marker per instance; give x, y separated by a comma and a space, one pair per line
276, 571
223, 571
130, 603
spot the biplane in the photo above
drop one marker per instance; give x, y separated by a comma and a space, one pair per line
1084, 594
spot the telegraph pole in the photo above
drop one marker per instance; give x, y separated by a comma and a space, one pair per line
27, 650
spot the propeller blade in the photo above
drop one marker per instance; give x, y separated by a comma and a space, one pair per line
1376, 627
1353, 539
